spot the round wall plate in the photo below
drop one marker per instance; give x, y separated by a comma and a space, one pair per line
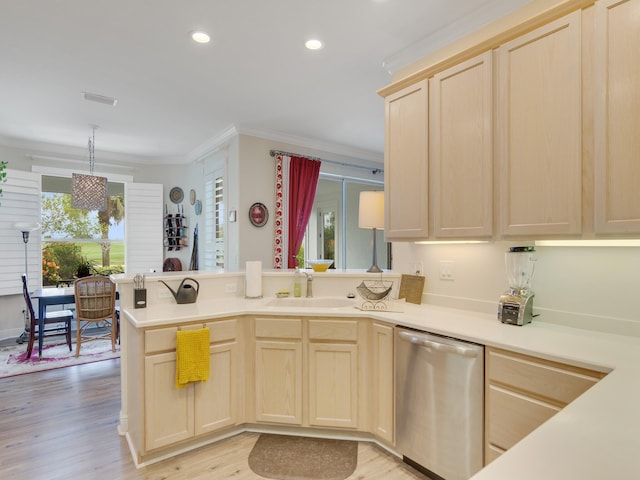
198, 207
176, 195
192, 196
258, 214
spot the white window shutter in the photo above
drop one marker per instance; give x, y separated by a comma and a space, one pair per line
20, 203
143, 227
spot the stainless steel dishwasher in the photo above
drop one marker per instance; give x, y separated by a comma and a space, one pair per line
439, 403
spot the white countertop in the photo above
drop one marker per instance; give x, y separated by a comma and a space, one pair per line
597, 436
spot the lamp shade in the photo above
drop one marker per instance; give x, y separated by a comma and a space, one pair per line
88, 192
371, 211
26, 227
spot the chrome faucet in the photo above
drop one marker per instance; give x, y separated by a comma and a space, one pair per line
309, 284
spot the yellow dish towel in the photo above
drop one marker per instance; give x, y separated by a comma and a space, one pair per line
192, 356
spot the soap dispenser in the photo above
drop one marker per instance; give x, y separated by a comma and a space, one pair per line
297, 283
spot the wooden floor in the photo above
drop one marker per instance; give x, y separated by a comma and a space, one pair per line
62, 424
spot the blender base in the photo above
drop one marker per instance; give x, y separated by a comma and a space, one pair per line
515, 309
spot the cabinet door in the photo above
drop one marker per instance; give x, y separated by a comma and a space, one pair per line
461, 155
539, 131
279, 381
169, 412
383, 395
216, 401
617, 123
333, 385
405, 163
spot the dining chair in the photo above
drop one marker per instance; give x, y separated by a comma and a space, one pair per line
56, 323
95, 304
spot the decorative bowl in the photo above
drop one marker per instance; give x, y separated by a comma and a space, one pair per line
320, 265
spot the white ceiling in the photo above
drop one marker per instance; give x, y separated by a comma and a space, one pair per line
176, 97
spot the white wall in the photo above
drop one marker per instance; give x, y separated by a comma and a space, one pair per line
587, 287
256, 183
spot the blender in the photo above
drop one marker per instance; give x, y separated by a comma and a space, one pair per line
516, 305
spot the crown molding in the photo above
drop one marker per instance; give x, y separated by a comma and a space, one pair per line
213, 144
51, 151
313, 143
66, 152
482, 16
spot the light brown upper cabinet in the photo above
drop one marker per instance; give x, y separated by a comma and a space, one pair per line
617, 117
461, 149
539, 131
406, 163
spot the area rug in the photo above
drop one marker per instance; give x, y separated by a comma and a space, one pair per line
14, 361
284, 457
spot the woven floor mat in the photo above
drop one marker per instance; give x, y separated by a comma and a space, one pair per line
284, 457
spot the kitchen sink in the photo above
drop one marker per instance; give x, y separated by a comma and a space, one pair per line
319, 302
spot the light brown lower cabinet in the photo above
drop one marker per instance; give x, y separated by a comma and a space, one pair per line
523, 392
279, 381
324, 372
311, 372
382, 386
278, 370
173, 415
333, 385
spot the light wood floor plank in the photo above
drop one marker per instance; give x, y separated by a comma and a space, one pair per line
62, 424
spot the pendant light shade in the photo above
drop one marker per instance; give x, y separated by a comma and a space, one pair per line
89, 192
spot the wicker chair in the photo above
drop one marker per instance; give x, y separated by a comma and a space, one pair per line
95, 304
56, 323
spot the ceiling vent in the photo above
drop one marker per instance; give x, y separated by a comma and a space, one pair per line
94, 97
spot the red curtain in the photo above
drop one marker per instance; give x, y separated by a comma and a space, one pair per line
303, 180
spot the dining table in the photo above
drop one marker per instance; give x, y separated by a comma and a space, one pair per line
50, 296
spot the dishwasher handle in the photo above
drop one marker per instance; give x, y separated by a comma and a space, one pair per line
426, 341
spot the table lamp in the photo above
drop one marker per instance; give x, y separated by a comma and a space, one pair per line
371, 215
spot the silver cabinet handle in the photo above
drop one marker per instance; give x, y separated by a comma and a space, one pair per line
424, 341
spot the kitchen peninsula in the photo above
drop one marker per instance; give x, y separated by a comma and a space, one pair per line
593, 437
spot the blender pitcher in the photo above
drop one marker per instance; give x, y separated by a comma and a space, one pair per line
520, 265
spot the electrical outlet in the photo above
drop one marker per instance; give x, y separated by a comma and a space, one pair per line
230, 288
416, 268
447, 270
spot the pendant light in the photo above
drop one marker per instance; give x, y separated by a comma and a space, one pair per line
89, 192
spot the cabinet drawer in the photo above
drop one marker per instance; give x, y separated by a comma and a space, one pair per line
164, 339
222, 330
514, 416
333, 330
548, 380
279, 327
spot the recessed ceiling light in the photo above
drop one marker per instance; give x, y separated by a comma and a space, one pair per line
313, 44
200, 37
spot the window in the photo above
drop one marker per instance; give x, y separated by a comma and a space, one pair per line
78, 242
215, 221
335, 233
219, 221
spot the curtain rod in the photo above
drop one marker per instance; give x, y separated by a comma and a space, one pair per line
373, 170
